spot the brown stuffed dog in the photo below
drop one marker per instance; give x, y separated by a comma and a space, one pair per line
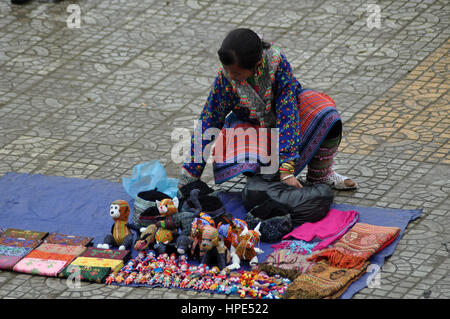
212, 248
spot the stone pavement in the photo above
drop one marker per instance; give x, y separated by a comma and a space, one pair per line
92, 102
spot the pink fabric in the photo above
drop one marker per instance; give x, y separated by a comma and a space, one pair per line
37, 266
329, 229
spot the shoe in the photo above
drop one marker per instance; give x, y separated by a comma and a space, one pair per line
340, 182
19, 1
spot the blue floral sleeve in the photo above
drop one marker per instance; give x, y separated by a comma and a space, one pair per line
288, 122
219, 103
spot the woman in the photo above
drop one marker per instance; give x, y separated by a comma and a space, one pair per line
255, 89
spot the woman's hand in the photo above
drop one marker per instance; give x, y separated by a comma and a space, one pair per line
292, 181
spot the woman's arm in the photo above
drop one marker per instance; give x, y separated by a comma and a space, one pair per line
219, 103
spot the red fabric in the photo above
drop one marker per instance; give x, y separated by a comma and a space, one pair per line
358, 245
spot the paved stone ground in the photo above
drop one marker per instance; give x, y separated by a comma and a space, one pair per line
93, 102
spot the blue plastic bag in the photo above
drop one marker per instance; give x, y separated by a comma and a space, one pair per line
148, 176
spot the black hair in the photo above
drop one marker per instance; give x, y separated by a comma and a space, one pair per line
242, 46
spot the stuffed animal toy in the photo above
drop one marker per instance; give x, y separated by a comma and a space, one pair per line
164, 241
212, 248
245, 249
183, 245
230, 228
197, 230
180, 220
120, 232
167, 206
146, 238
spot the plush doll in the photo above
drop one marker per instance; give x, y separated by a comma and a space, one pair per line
164, 241
197, 230
167, 206
120, 232
245, 249
183, 245
230, 228
180, 220
146, 237
213, 249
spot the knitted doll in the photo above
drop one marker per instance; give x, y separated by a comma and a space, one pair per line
146, 237
164, 241
167, 206
245, 249
197, 230
213, 249
230, 228
120, 232
183, 245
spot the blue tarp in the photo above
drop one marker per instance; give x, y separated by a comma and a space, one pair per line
81, 207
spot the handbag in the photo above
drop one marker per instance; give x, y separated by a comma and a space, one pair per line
267, 198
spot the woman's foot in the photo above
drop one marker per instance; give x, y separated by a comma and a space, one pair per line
340, 182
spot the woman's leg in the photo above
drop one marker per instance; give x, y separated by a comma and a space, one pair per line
320, 168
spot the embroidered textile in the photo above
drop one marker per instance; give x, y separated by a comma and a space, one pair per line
114, 264
22, 233
357, 245
86, 273
106, 253
323, 281
285, 263
37, 266
54, 238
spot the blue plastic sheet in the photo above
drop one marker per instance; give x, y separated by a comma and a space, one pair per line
148, 176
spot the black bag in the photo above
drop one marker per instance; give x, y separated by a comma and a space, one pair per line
145, 211
267, 198
198, 196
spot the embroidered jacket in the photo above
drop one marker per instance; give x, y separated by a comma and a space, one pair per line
224, 98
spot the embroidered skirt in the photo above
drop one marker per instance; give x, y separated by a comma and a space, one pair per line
248, 149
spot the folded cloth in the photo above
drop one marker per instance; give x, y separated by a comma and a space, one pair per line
285, 263
19, 242
8, 262
37, 266
73, 240
106, 253
324, 232
51, 256
61, 249
86, 273
357, 245
114, 264
10, 255
22, 233
14, 251
323, 281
